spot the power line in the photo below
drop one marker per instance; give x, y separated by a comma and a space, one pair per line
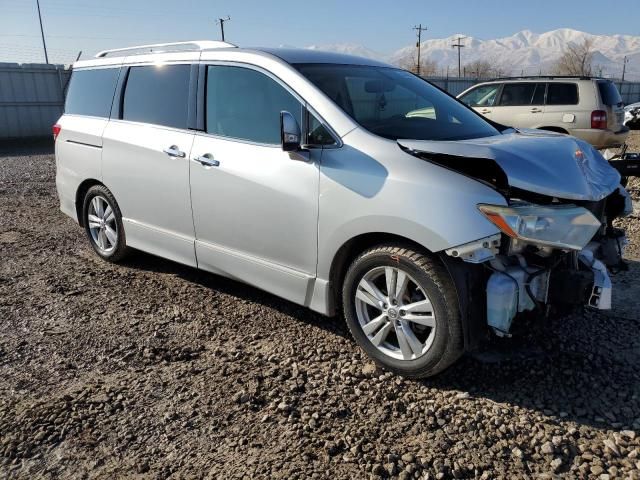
459, 46
419, 29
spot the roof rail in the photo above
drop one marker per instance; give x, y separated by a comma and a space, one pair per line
549, 77
169, 47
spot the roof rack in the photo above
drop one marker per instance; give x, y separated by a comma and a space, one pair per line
168, 47
550, 77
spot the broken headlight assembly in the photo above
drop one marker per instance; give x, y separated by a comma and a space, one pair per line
565, 227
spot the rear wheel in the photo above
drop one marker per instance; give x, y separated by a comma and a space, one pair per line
402, 308
103, 223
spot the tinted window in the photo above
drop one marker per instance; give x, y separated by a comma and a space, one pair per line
483, 96
562, 94
246, 104
538, 94
609, 93
514, 94
91, 92
318, 133
396, 104
157, 94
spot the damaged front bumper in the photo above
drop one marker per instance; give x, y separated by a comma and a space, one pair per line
522, 276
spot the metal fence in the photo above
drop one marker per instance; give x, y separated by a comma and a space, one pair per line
31, 98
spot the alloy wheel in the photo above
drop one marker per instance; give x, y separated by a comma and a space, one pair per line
102, 224
395, 313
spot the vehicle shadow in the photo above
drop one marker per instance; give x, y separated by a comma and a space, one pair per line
582, 368
143, 261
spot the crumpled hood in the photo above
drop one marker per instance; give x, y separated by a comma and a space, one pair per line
541, 162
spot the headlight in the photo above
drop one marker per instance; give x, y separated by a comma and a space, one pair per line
561, 226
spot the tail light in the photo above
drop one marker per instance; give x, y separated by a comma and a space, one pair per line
599, 119
56, 131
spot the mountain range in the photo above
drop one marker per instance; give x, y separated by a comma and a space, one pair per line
524, 52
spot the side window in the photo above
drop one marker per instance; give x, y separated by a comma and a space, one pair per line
562, 94
538, 94
483, 96
157, 94
516, 94
317, 134
91, 92
246, 104
609, 93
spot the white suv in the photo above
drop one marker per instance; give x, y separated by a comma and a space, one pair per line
342, 184
587, 108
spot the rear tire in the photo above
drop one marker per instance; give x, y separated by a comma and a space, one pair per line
417, 330
103, 224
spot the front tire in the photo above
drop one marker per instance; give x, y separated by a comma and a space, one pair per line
103, 224
401, 307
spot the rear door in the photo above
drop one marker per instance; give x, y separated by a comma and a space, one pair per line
612, 104
146, 158
562, 108
521, 104
482, 98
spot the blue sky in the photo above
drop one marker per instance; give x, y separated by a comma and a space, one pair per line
91, 25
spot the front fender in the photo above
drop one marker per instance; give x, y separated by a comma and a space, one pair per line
379, 188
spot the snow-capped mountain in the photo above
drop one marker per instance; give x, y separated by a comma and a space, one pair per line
524, 52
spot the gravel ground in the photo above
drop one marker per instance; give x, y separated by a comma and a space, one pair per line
154, 370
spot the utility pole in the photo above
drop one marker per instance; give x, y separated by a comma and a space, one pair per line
221, 23
419, 29
459, 46
44, 44
624, 66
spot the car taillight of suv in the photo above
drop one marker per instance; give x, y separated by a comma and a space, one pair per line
599, 119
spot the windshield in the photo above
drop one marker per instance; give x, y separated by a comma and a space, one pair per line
396, 104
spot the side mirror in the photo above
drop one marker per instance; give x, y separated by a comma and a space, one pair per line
289, 132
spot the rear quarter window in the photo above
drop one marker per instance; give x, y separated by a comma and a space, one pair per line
609, 93
91, 92
562, 94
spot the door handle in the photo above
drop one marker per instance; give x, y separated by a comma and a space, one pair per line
536, 110
486, 110
207, 161
174, 151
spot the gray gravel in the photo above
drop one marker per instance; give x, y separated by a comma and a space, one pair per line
155, 370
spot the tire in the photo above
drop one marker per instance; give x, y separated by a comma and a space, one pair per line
432, 315
103, 224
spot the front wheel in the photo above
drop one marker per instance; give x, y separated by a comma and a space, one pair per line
402, 309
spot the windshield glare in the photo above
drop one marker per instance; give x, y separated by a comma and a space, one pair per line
396, 104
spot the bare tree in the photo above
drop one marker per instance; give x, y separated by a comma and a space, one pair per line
488, 67
576, 59
428, 67
479, 69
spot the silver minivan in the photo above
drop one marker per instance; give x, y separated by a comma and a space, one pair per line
342, 184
